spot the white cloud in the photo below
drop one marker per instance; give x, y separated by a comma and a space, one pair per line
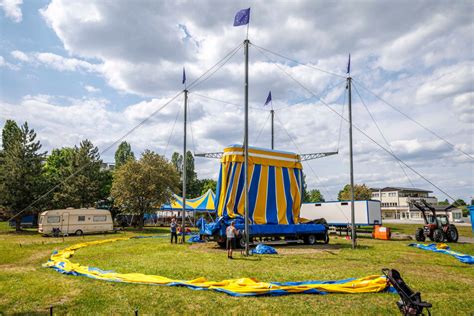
91, 89
4, 63
21, 56
55, 61
12, 9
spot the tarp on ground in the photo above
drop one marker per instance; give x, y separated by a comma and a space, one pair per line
60, 262
275, 184
443, 248
263, 249
204, 203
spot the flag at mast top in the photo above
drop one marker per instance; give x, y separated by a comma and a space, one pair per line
242, 17
184, 76
269, 98
349, 64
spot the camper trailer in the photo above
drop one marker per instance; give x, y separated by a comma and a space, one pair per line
338, 213
75, 221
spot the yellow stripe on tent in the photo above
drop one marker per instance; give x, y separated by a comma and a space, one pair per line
231, 201
259, 213
280, 196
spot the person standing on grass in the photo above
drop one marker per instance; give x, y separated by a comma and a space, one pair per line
173, 231
231, 233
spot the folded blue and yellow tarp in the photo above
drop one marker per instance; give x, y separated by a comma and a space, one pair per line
443, 248
59, 261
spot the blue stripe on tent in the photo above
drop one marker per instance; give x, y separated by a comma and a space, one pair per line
232, 168
289, 200
272, 215
253, 191
240, 188
218, 189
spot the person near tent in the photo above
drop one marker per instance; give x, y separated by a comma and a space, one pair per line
173, 231
231, 233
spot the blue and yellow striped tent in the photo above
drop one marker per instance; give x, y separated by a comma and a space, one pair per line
204, 203
275, 184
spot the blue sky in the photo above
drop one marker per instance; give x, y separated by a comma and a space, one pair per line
94, 69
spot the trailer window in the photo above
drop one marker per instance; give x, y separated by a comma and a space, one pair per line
317, 204
53, 219
344, 203
40, 220
81, 218
101, 218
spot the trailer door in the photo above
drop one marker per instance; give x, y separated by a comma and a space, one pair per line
65, 223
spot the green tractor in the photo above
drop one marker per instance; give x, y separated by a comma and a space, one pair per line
437, 227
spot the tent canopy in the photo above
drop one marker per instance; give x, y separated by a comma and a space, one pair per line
204, 203
275, 184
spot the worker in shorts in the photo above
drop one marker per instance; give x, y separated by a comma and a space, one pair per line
231, 233
173, 231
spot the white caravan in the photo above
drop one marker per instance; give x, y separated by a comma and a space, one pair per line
75, 221
338, 213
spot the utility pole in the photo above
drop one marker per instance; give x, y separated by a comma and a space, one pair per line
246, 147
272, 112
353, 232
183, 230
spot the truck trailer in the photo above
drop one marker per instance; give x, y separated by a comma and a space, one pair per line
338, 213
275, 192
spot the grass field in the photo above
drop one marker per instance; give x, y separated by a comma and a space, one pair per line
26, 287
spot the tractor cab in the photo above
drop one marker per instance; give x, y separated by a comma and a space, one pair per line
437, 227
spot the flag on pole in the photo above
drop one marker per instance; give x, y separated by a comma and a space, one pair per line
242, 17
349, 64
269, 98
184, 76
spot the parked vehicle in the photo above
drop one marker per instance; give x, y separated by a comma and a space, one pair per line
28, 221
338, 213
75, 221
437, 227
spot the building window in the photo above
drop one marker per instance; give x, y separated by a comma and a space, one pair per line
53, 219
383, 194
392, 193
81, 218
375, 194
456, 215
100, 218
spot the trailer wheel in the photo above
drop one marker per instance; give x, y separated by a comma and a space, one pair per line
241, 243
310, 239
222, 244
79, 232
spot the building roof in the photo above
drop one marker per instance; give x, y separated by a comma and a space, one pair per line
400, 189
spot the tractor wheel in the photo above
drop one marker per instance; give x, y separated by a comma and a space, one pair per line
452, 234
420, 235
438, 235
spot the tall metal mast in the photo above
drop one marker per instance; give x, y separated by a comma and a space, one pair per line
273, 116
183, 231
246, 146
353, 229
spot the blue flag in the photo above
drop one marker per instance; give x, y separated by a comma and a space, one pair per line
269, 98
349, 64
242, 17
184, 76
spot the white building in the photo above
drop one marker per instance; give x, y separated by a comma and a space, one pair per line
395, 203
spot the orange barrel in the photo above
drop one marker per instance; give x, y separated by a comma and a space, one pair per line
381, 232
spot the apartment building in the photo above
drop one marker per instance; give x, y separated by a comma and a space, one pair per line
395, 203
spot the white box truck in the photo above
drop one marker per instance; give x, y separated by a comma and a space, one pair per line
75, 221
338, 213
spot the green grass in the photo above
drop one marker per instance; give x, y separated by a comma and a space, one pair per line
26, 287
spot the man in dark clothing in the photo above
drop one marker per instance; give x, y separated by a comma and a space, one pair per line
173, 231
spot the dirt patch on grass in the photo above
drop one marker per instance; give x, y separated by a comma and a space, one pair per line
11, 268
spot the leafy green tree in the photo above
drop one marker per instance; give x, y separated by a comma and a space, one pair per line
444, 203
79, 170
123, 154
192, 185
304, 193
140, 186
20, 170
361, 192
459, 202
208, 184
315, 196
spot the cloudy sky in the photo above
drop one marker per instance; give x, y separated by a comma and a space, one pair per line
95, 69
